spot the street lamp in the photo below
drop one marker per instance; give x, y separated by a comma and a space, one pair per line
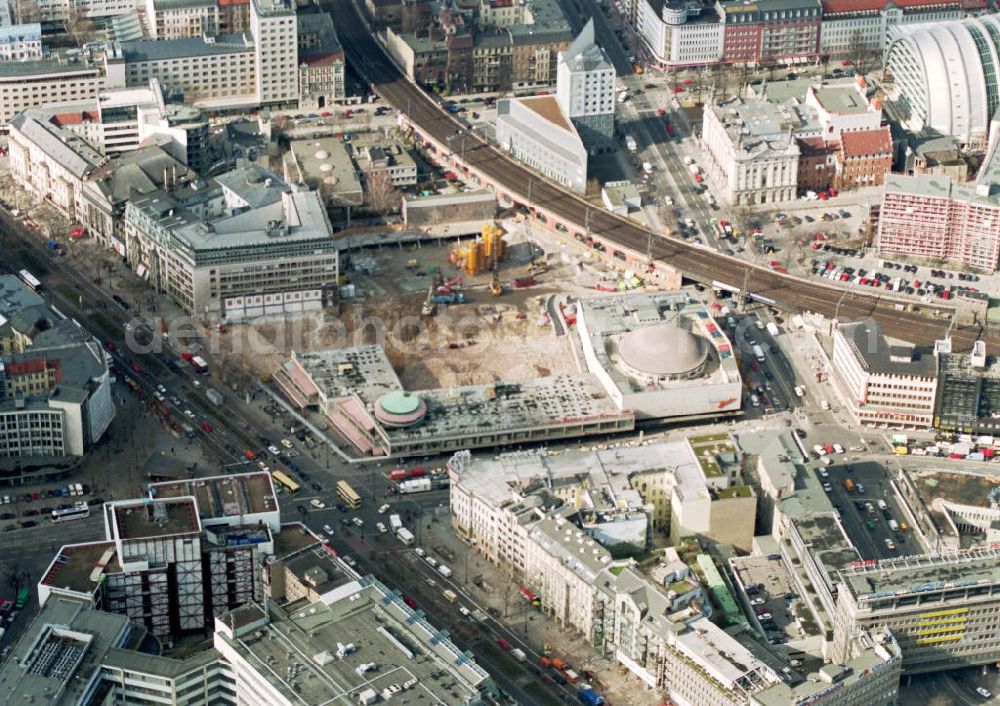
836, 311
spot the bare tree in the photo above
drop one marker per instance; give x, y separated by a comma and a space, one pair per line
742, 216
27, 11
858, 51
281, 122
383, 196
79, 27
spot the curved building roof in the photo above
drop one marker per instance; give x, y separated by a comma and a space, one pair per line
400, 409
946, 75
663, 350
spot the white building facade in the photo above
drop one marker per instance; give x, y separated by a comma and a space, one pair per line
276, 59
21, 42
681, 34
881, 383
534, 131
850, 27
30, 84
585, 90
179, 19
752, 152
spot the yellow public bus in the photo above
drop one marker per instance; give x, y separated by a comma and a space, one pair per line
346, 493
285, 482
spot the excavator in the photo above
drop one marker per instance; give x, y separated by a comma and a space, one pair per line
496, 289
428, 307
536, 267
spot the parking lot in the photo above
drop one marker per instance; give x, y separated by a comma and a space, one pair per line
866, 523
777, 608
849, 266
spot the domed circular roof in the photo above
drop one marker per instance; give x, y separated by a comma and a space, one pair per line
662, 350
326, 167
400, 409
322, 154
399, 402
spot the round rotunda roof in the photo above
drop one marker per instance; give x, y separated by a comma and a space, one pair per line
663, 350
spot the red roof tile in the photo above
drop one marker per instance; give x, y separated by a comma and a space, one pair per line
864, 142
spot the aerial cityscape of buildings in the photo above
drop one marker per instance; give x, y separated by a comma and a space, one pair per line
500, 352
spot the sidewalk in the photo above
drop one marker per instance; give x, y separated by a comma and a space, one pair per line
501, 592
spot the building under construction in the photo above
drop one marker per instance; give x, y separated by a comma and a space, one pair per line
648, 356
482, 254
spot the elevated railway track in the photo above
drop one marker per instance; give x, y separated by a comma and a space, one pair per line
513, 181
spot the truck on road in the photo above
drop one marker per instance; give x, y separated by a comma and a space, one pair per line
199, 364
772, 328
518, 654
630, 143
405, 536
848, 485
449, 298
214, 396
395, 523
758, 354
589, 697
414, 485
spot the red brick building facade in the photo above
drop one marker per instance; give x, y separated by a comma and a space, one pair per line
865, 157
771, 31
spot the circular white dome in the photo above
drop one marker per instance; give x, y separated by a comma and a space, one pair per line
326, 167
663, 350
322, 154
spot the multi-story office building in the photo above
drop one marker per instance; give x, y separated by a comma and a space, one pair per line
270, 250
216, 71
62, 77
50, 158
535, 131
869, 678
276, 55
180, 19
669, 647
364, 641
21, 42
851, 28
61, 10
680, 33
751, 147
192, 550
932, 218
880, 382
234, 16
253, 68
772, 31
968, 392
119, 120
55, 389
585, 90
72, 654
668, 488
942, 609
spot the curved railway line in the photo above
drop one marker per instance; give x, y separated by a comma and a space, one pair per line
911, 321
